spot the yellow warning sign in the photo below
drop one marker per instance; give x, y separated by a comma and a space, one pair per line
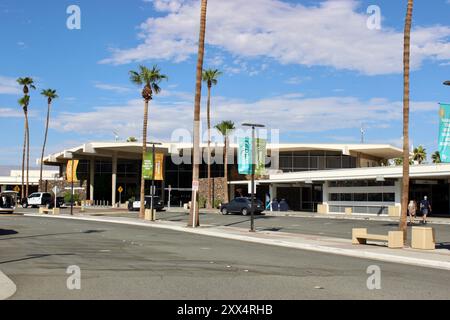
120, 189
16, 189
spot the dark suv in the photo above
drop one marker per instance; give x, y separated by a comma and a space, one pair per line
241, 205
135, 204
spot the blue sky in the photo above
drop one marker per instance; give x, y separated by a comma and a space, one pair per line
311, 69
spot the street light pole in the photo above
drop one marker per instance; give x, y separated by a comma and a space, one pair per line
71, 191
152, 191
253, 164
447, 83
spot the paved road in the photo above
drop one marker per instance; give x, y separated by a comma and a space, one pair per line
339, 228
130, 262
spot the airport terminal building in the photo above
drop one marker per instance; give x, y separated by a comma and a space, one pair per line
325, 178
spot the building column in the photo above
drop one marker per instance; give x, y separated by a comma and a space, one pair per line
91, 178
272, 191
114, 179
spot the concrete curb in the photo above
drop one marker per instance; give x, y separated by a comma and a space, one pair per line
7, 287
293, 214
445, 265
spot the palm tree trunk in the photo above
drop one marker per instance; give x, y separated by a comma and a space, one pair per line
198, 95
225, 170
43, 148
208, 115
144, 151
406, 72
28, 156
22, 190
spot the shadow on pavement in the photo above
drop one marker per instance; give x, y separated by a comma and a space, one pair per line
52, 234
37, 256
5, 232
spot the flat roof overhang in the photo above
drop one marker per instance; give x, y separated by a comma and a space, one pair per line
438, 171
435, 171
133, 150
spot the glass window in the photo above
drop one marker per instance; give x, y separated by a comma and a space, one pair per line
389, 197
347, 197
334, 196
375, 197
333, 162
362, 197
301, 162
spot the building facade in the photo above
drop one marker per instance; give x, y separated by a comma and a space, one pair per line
310, 177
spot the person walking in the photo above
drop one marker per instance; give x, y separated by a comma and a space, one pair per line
425, 208
275, 205
412, 208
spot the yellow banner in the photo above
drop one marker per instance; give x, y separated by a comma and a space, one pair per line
71, 170
159, 166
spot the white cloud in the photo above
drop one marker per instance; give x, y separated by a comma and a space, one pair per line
9, 86
111, 87
290, 113
332, 33
11, 113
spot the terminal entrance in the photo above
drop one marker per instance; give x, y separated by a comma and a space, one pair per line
301, 198
438, 193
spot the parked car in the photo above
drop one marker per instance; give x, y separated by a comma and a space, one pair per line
37, 199
135, 204
242, 205
60, 203
8, 201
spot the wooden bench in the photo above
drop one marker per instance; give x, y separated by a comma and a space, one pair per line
43, 210
394, 238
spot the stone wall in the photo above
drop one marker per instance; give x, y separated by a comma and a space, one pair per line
63, 184
218, 187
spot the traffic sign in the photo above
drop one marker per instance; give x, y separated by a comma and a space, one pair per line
55, 190
120, 189
17, 189
195, 185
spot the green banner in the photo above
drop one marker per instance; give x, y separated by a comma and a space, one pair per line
147, 166
261, 153
444, 132
245, 156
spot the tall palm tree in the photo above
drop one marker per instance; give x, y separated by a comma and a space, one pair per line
420, 154
27, 83
23, 102
198, 96
50, 94
436, 157
210, 78
150, 79
406, 73
225, 128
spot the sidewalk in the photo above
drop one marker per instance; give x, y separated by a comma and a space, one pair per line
431, 220
439, 258
7, 287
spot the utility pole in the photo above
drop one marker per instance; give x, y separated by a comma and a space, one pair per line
152, 191
253, 165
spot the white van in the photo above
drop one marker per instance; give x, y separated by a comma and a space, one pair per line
38, 199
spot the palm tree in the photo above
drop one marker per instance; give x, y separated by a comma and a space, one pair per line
210, 77
406, 72
436, 157
50, 95
419, 154
150, 79
198, 96
27, 83
23, 102
225, 128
